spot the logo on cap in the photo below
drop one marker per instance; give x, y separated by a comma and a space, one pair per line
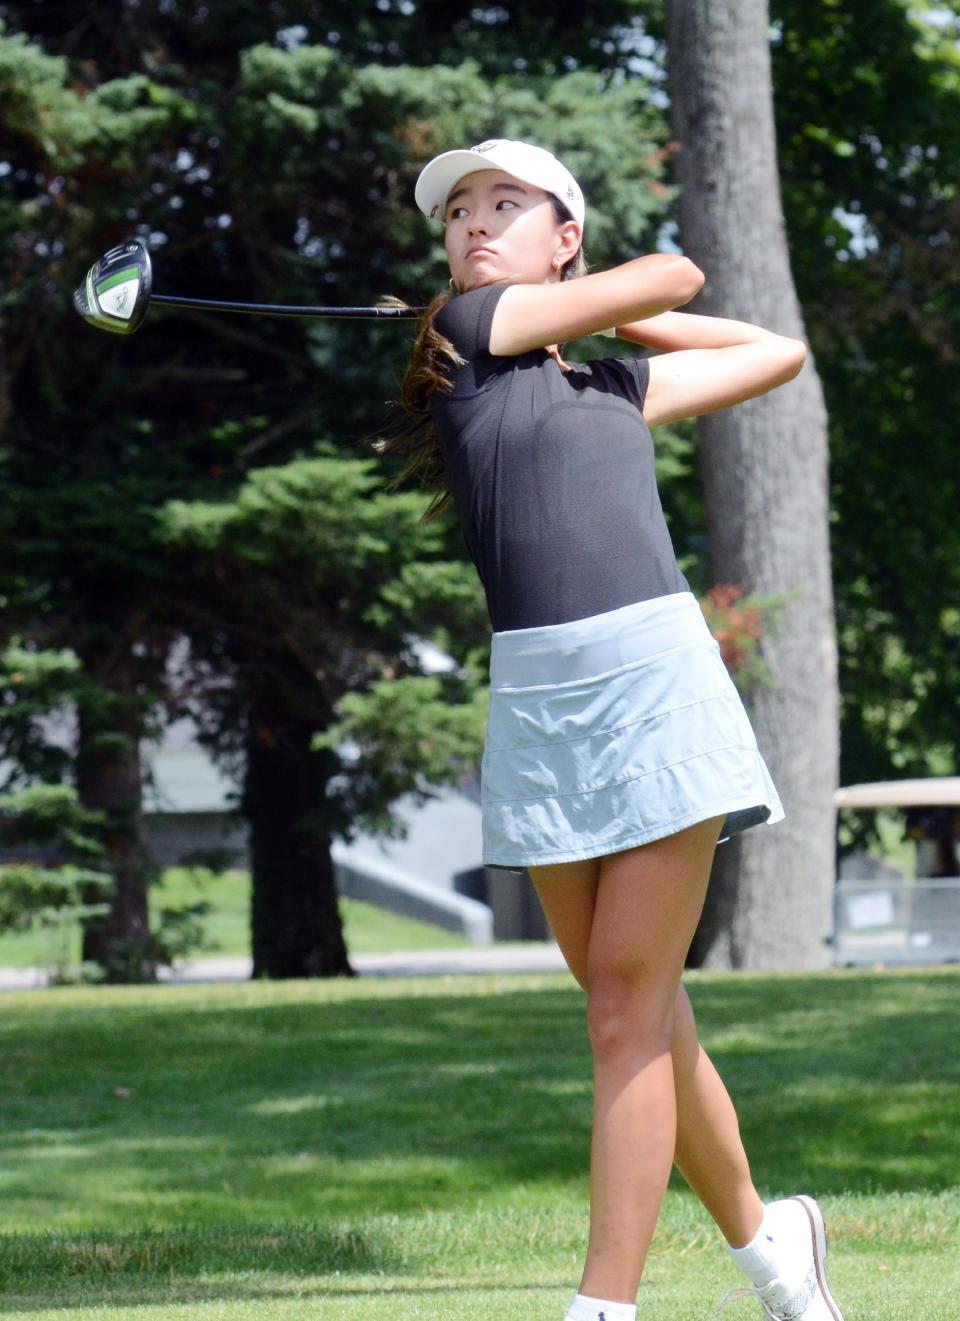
485, 146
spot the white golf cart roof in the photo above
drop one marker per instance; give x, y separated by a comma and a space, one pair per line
933, 791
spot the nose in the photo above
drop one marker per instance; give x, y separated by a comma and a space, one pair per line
479, 219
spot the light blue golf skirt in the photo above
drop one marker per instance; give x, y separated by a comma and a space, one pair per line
612, 731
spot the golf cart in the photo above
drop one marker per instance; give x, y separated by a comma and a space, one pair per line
904, 910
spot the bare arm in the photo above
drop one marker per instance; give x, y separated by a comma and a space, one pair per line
686, 330
709, 363
530, 316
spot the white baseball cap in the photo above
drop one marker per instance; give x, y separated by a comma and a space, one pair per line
524, 161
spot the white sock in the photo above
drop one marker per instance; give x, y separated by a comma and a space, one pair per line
597, 1309
757, 1259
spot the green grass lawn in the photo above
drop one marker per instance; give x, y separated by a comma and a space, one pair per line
368, 930
417, 1149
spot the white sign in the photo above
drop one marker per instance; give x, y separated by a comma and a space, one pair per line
870, 910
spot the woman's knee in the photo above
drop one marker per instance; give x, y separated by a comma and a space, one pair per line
626, 1013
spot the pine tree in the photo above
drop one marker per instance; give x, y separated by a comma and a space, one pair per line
105, 434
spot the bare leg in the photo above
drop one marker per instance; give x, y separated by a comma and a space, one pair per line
646, 907
646, 1114
710, 1154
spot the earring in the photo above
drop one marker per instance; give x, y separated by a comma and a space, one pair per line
451, 282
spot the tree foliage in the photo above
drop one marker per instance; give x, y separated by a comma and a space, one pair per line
270, 153
213, 478
870, 164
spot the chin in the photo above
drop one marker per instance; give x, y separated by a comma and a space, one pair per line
477, 284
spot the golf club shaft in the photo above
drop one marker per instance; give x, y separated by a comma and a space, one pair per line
287, 309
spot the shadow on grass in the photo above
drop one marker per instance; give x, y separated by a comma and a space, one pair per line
842, 1082
178, 1295
207, 1264
252, 1112
143, 1266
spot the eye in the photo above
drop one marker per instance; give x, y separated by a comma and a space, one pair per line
455, 209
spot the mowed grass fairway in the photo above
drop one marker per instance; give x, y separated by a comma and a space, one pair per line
418, 1148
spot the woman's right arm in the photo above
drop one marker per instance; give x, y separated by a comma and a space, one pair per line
531, 316
708, 363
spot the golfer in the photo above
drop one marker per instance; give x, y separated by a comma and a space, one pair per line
618, 753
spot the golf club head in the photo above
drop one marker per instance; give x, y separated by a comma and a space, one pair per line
116, 292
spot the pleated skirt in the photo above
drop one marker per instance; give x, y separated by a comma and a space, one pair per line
612, 731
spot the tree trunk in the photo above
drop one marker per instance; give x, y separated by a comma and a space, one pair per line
108, 773
763, 466
295, 919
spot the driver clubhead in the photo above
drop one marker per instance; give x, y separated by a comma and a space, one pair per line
116, 292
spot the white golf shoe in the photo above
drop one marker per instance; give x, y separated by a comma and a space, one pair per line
800, 1291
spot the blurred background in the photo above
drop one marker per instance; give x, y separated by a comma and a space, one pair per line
242, 687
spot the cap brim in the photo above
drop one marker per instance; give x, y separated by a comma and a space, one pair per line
437, 178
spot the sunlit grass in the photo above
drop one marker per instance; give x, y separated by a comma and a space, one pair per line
367, 929
419, 1148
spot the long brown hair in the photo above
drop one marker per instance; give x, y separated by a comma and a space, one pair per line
425, 375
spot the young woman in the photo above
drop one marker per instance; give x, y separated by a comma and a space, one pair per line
618, 753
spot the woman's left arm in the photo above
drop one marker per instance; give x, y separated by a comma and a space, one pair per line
710, 363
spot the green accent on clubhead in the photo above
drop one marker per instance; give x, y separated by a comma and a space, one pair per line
93, 313
118, 277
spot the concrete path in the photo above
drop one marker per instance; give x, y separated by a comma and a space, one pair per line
532, 956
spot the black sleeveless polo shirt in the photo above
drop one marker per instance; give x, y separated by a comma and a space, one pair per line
552, 476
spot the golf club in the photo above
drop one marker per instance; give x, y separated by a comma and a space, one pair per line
119, 289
